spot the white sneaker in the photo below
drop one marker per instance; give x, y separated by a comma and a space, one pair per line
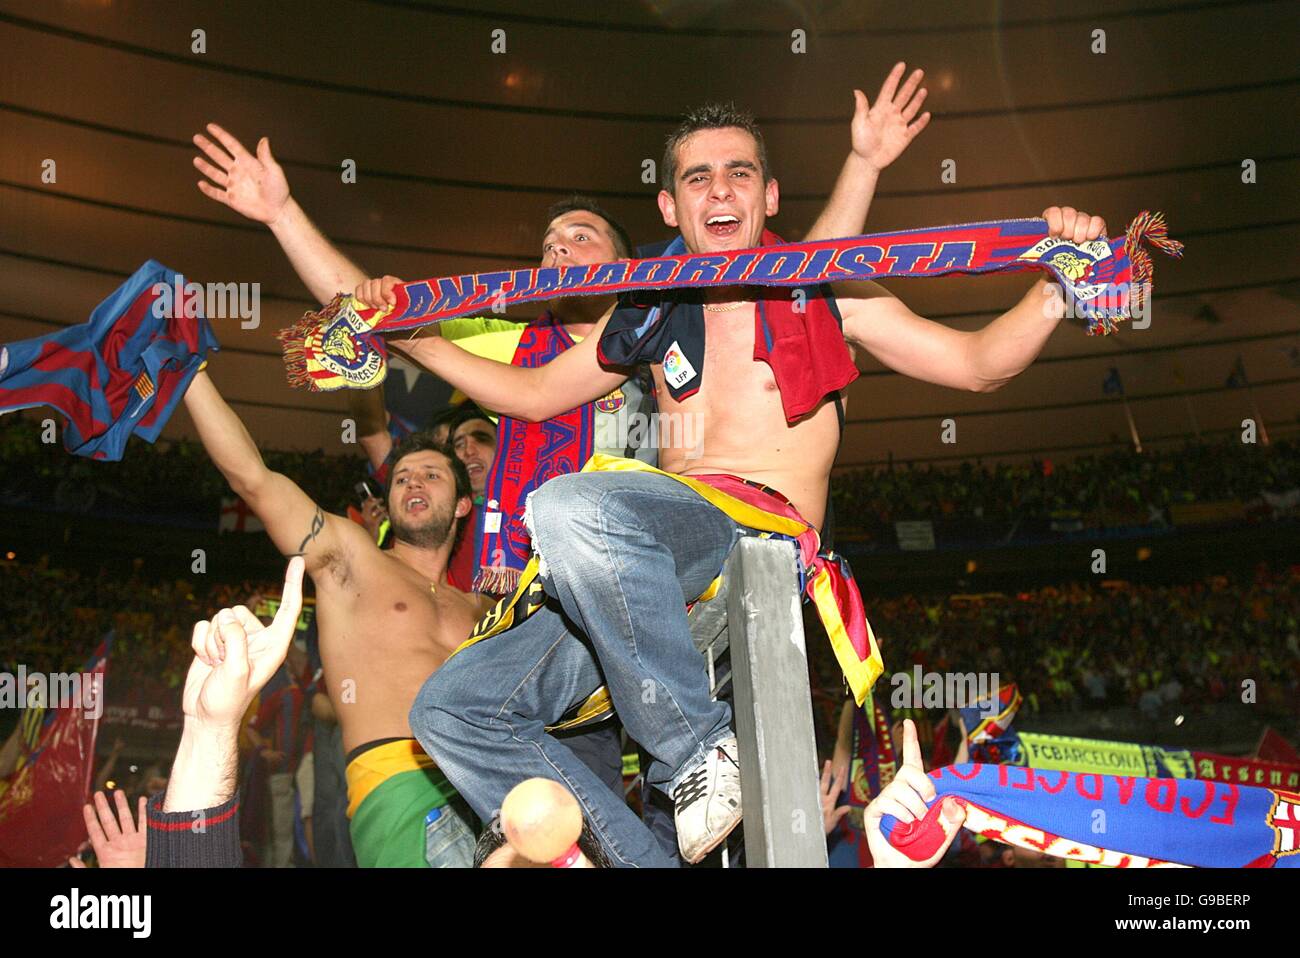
708, 802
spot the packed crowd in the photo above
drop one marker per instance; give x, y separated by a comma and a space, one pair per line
54, 618
1120, 483
1112, 644
169, 478
177, 477
1108, 644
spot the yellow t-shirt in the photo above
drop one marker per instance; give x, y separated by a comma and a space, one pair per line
483, 336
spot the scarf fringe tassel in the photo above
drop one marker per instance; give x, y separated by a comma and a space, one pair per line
293, 340
1146, 228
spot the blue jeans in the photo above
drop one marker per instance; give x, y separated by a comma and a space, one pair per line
623, 554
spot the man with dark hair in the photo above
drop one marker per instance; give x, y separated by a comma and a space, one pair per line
712, 116
585, 204
472, 435
579, 231
387, 618
622, 551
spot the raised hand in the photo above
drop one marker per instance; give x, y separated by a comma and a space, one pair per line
377, 292
883, 131
254, 186
832, 785
235, 656
1073, 225
905, 798
118, 840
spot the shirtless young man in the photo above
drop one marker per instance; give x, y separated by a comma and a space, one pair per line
624, 551
387, 618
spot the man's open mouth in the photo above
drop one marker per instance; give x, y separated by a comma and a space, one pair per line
722, 225
417, 504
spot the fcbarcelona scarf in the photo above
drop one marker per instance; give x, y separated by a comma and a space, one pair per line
1061, 752
1116, 820
120, 373
339, 347
528, 454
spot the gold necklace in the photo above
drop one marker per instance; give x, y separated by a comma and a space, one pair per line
724, 309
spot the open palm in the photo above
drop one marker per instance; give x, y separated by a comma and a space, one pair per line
252, 185
883, 131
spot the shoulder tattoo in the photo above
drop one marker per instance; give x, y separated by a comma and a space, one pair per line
317, 524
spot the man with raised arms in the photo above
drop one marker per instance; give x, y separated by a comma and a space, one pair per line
387, 619
623, 551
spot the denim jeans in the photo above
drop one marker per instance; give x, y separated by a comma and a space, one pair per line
622, 554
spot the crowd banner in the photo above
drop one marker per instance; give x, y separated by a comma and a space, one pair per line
1273, 747
1246, 771
1207, 513
1105, 280
1065, 753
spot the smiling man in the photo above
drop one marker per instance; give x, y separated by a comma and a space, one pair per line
623, 551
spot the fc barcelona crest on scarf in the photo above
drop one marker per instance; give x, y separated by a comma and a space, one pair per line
1284, 817
333, 349
1078, 263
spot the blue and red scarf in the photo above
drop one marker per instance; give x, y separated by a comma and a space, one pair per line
340, 347
119, 374
1116, 820
528, 454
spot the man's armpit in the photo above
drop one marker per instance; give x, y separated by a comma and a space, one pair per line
333, 545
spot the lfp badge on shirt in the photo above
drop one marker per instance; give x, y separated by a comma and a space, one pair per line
678, 370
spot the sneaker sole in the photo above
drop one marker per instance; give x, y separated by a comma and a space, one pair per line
700, 856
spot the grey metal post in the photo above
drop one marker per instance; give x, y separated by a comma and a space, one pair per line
774, 722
